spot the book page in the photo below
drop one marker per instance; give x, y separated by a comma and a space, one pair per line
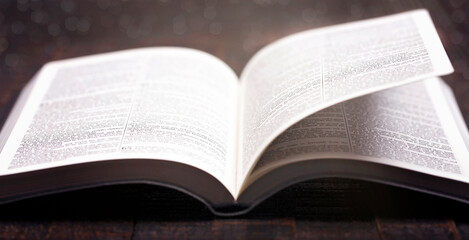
409, 127
161, 103
309, 71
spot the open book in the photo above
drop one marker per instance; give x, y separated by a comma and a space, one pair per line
347, 101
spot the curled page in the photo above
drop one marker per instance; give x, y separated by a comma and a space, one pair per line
309, 71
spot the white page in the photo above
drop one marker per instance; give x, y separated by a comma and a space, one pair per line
304, 73
409, 127
162, 103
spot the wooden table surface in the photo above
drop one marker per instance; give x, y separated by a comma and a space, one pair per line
35, 32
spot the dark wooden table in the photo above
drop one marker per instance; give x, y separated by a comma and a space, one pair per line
35, 32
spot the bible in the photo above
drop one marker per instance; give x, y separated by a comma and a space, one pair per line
360, 100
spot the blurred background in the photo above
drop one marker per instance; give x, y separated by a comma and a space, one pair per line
33, 32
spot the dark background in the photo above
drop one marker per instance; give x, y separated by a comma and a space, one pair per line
33, 33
